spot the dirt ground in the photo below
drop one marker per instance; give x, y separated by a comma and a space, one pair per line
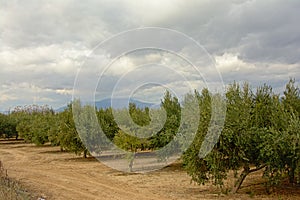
59, 175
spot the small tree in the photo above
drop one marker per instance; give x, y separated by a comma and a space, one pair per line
7, 126
69, 138
88, 128
172, 108
129, 143
131, 136
291, 98
107, 123
292, 149
32, 123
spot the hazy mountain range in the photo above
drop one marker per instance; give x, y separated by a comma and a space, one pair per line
118, 103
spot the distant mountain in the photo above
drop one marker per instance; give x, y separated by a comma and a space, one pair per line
61, 109
118, 103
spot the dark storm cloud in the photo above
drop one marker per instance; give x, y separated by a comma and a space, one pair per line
258, 30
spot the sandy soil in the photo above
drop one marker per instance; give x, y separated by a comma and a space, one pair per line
60, 175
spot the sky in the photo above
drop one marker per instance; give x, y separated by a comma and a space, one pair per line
53, 51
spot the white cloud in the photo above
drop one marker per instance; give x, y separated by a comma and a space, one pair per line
144, 10
64, 91
43, 44
7, 97
230, 62
233, 68
120, 67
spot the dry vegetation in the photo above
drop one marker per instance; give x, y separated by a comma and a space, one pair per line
52, 174
11, 189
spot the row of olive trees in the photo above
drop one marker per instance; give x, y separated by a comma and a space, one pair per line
261, 132
135, 128
40, 125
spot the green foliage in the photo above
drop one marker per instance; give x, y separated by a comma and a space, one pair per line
291, 98
140, 116
133, 133
129, 142
7, 126
260, 132
53, 121
197, 168
291, 146
173, 115
127, 137
107, 123
33, 123
88, 127
68, 136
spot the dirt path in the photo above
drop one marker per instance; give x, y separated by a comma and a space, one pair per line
60, 175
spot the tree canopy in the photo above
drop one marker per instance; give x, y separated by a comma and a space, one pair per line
258, 132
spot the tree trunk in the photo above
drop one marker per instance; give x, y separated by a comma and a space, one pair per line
292, 175
243, 175
240, 180
131, 161
85, 153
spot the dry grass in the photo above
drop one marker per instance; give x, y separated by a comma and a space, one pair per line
9, 188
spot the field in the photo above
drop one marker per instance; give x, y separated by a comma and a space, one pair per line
51, 174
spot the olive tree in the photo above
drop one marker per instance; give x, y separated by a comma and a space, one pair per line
257, 135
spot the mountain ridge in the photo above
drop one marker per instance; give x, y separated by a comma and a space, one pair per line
116, 103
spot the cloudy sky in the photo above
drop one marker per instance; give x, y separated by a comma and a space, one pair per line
43, 44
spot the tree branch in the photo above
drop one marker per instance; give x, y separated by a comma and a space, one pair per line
258, 168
